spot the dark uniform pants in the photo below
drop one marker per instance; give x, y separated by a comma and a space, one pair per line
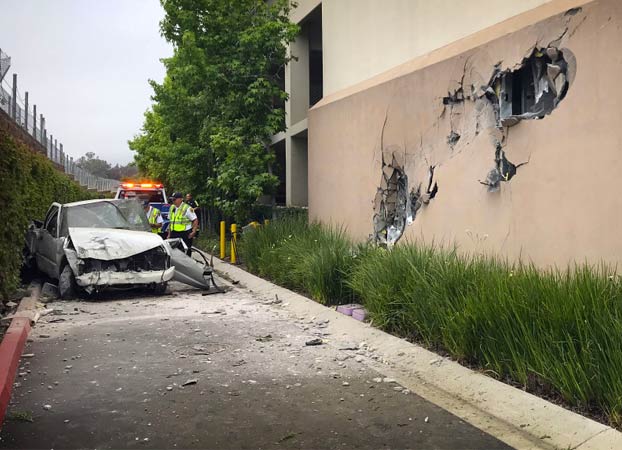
184, 236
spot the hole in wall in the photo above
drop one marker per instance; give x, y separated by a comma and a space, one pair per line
533, 90
504, 170
390, 205
394, 206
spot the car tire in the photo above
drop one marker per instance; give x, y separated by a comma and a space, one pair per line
29, 270
160, 288
67, 286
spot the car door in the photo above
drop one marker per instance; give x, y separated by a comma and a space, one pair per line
50, 244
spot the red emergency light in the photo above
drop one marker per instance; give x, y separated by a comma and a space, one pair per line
141, 185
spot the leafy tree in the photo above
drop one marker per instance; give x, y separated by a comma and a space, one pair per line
213, 115
118, 172
102, 168
92, 164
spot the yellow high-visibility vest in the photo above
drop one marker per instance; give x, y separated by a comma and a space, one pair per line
178, 218
153, 218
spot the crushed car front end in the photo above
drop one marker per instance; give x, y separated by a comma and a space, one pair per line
101, 258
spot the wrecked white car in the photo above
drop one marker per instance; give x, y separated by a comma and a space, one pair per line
98, 244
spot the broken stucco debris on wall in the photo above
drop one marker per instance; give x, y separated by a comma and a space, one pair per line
530, 90
504, 170
395, 206
534, 89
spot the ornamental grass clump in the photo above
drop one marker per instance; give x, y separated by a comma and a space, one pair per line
557, 333
302, 256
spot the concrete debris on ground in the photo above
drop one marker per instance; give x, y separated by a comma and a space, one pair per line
237, 362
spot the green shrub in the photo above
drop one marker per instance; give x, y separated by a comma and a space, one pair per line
554, 332
29, 183
301, 256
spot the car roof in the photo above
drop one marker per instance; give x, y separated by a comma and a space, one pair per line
86, 202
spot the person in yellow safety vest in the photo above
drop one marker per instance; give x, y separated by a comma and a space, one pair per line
183, 222
153, 216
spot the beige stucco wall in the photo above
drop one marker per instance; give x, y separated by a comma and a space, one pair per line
563, 205
302, 9
365, 37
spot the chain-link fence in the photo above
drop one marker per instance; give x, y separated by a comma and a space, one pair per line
5, 63
18, 108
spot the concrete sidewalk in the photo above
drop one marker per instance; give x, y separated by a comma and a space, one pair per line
223, 371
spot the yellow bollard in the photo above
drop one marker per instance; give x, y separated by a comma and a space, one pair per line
223, 240
234, 232
266, 222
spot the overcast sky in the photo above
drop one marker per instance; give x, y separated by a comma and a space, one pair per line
85, 64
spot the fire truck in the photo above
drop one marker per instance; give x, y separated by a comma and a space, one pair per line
153, 192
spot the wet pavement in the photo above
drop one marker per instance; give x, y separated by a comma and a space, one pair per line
229, 371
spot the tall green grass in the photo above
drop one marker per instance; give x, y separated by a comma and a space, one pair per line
554, 332
302, 256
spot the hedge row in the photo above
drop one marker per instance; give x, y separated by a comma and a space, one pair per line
29, 183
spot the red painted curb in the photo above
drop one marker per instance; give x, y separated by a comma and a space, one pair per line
10, 353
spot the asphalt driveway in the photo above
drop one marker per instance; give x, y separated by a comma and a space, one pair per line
223, 371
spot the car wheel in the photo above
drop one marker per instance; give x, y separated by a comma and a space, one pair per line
160, 288
67, 286
29, 270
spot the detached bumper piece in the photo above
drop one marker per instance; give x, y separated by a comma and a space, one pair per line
190, 271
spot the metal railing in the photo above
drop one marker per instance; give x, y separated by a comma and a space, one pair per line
18, 108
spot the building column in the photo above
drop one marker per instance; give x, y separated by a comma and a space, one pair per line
296, 171
297, 81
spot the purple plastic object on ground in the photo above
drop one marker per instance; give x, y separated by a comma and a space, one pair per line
359, 314
347, 309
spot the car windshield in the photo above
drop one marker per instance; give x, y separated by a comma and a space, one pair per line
120, 214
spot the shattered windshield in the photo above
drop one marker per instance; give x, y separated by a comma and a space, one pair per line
119, 214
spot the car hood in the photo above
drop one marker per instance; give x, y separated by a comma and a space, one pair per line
107, 243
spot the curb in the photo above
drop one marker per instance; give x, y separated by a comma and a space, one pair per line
12, 346
513, 416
